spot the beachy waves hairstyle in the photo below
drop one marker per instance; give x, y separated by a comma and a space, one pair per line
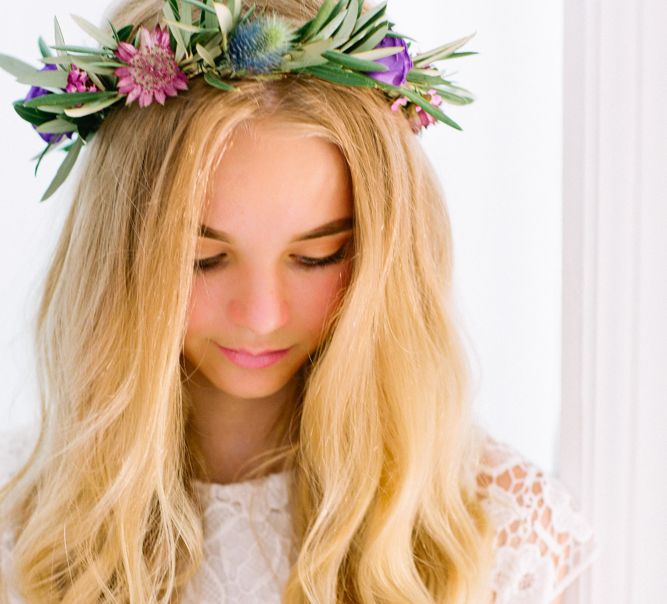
381, 441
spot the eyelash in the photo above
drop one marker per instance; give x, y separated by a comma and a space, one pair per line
206, 264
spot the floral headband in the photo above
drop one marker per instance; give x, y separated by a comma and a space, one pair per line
74, 90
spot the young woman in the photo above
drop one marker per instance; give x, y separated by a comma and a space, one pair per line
253, 389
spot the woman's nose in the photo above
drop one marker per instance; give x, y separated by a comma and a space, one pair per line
260, 304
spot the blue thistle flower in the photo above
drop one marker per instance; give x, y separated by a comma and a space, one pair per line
257, 46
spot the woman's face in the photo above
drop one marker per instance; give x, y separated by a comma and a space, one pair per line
255, 287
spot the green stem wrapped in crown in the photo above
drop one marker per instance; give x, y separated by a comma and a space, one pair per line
77, 87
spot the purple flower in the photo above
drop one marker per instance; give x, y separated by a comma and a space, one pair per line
399, 64
36, 91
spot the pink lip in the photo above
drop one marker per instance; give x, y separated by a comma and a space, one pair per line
248, 360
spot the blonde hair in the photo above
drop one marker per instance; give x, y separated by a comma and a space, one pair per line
381, 442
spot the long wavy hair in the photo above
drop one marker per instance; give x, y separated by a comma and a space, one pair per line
381, 441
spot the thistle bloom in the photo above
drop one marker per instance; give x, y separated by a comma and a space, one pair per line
152, 73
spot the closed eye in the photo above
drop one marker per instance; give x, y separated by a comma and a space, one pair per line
305, 262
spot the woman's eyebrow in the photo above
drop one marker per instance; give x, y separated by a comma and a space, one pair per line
330, 228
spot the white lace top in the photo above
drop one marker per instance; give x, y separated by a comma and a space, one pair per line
542, 541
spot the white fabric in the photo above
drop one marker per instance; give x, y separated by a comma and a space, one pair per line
542, 541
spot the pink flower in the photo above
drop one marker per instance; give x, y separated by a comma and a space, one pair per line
398, 102
421, 119
77, 81
152, 72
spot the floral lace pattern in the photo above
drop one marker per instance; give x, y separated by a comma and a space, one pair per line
542, 541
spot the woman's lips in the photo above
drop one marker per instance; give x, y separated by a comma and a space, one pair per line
252, 361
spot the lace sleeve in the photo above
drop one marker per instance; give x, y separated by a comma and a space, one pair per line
543, 542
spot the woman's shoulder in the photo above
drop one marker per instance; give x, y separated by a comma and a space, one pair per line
543, 541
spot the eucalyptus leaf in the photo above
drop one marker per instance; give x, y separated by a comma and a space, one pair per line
235, 8
45, 79
16, 67
354, 63
186, 19
57, 126
64, 169
217, 83
104, 38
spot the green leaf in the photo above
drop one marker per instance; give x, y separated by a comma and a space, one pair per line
125, 32
174, 8
186, 19
45, 79
338, 76
370, 16
225, 17
67, 99
43, 48
204, 54
312, 27
374, 38
418, 99
440, 53
29, 114
377, 53
178, 36
104, 38
64, 169
57, 126
343, 32
201, 5
217, 83
352, 62
83, 49
183, 27
94, 107
16, 67
58, 35
331, 26
310, 55
39, 158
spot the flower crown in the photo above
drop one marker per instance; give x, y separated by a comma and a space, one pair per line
74, 90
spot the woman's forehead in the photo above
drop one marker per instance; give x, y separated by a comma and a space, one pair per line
276, 176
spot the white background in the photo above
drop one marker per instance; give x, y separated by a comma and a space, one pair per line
501, 175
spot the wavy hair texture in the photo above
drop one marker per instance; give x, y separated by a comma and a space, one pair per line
381, 440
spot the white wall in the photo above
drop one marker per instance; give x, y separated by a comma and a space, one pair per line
502, 177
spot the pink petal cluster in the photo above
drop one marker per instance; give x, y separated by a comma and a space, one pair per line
151, 73
419, 119
423, 118
78, 81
